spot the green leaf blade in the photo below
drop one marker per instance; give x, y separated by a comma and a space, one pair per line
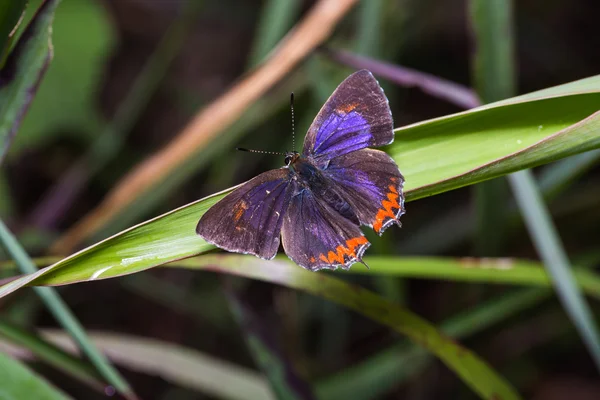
435, 156
18, 382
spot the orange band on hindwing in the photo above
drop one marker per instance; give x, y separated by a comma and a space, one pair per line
341, 251
387, 207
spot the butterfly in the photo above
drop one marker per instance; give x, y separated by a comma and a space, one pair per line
320, 198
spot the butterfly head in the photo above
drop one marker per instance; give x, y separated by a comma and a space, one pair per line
291, 157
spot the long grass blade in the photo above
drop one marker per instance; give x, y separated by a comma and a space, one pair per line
65, 317
53, 355
389, 368
19, 382
275, 20
494, 77
550, 249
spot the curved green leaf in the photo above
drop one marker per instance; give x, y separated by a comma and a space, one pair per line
18, 382
435, 156
508, 271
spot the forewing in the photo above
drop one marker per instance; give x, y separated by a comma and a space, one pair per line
370, 181
248, 220
316, 237
357, 115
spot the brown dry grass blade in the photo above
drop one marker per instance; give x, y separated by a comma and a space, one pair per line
311, 32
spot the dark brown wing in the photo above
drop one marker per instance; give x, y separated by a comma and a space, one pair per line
248, 220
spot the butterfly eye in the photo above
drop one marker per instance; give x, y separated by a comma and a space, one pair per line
288, 160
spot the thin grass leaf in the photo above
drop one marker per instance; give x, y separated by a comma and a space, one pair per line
555, 178
18, 383
65, 317
369, 28
476, 270
389, 368
52, 355
21, 74
11, 13
285, 382
466, 364
550, 248
276, 18
506, 271
179, 365
494, 61
478, 375
494, 77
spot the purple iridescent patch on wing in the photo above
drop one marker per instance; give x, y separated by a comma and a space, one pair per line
356, 116
316, 237
342, 133
370, 181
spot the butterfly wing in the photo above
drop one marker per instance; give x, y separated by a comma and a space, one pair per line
370, 181
315, 236
248, 220
356, 115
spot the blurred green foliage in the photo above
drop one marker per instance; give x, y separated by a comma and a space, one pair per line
66, 104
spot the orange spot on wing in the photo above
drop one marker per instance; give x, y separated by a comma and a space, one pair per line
341, 251
387, 208
346, 108
312, 260
239, 209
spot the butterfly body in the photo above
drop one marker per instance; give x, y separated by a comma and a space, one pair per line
309, 177
319, 199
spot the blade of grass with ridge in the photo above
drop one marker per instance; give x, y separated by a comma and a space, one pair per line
547, 242
267, 354
389, 368
65, 317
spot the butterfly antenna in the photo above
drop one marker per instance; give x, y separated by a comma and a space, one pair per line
277, 153
293, 128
